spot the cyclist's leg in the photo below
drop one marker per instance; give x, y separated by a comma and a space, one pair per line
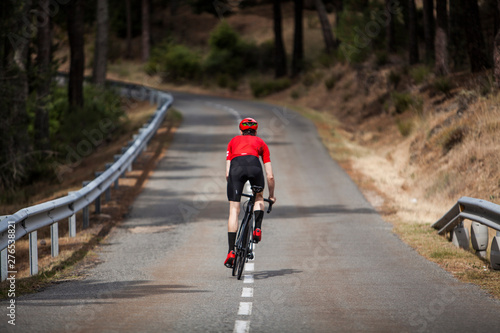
234, 186
234, 212
258, 179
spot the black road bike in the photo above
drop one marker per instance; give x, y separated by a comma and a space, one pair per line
243, 247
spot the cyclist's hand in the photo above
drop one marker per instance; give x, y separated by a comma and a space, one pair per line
273, 199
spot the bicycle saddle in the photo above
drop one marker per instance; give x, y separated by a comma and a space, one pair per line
257, 189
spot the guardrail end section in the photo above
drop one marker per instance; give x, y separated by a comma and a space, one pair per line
450, 215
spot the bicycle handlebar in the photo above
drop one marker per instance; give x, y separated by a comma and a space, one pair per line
269, 209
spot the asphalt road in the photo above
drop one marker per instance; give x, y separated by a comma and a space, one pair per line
327, 262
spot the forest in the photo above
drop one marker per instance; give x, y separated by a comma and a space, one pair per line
39, 116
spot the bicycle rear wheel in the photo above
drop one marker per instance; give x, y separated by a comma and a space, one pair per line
242, 260
245, 248
236, 261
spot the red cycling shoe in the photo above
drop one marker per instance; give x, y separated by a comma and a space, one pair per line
230, 260
257, 235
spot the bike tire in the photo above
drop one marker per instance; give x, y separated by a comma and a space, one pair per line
236, 261
241, 264
244, 250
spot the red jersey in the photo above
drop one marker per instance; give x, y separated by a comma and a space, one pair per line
242, 145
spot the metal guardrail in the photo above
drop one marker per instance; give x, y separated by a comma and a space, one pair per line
485, 214
28, 220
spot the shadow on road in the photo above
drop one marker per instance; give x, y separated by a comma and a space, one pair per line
276, 273
107, 293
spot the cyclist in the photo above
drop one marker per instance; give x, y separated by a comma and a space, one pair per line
242, 165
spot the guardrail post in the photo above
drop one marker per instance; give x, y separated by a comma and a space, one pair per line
85, 211
124, 149
98, 199
72, 221
97, 204
116, 158
479, 238
72, 225
3, 265
33, 252
460, 236
107, 195
495, 252
54, 239
3, 259
141, 130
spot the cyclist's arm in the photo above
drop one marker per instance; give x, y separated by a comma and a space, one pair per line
228, 165
270, 180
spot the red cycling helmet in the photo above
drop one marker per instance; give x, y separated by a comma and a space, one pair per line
248, 123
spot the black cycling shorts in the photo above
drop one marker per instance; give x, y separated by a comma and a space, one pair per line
243, 168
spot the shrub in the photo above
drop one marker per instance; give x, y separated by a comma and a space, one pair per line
231, 55
326, 60
419, 73
381, 58
99, 104
402, 101
223, 37
394, 79
452, 136
359, 33
262, 88
443, 85
182, 63
309, 79
405, 127
295, 94
175, 62
332, 80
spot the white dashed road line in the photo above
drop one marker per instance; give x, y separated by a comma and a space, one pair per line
247, 292
241, 326
248, 278
245, 309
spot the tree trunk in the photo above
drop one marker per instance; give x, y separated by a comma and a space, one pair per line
128, 52
429, 29
325, 27
15, 38
413, 47
101, 43
476, 46
279, 48
339, 8
496, 55
41, 127
457, 34
77, 53
390, 30
145, 31
298, 40
441, 42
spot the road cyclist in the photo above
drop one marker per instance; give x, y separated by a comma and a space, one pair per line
242, 165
